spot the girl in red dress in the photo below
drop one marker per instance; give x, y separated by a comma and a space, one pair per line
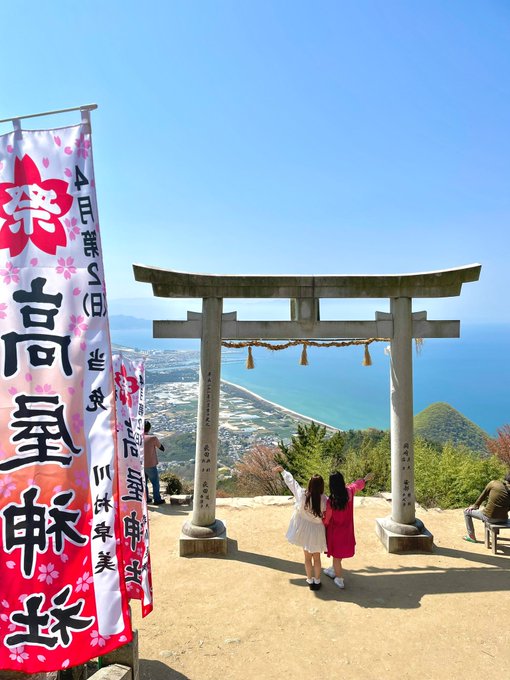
339, 522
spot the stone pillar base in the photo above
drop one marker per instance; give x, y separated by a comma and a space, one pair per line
127, 655
397, 538
195, 540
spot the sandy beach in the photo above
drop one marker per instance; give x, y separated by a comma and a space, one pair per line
279, 407
249, 614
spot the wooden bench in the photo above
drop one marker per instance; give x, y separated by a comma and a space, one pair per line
492, 532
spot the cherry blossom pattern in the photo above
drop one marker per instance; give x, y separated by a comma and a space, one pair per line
127, 385
81, 479
44, 389
3, 307
77, 326
83, 146
5, 620
66, 267
18, 654
7, 486
76, 422
10, 274
72, 228
98, 639
83, 583
48, 573
31, 209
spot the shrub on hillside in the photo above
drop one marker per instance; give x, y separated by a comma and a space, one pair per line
372, 455
254, 472
446, 475
173, 484
227, 487
500, 446
451, 477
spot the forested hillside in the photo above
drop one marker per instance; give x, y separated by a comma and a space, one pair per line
446, 475
441, 423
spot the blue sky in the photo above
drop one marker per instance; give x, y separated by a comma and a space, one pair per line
283, 137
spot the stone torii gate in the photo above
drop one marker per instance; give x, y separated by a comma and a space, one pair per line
401, 531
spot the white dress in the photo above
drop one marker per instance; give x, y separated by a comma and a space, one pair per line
305, 529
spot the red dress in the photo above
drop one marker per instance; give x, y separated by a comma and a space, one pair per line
340, 525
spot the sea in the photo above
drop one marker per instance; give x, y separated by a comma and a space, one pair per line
471, 373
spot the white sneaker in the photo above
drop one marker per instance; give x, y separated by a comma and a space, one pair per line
329, 571
339, 582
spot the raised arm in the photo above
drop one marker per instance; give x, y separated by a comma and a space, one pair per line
359, 484
289, 480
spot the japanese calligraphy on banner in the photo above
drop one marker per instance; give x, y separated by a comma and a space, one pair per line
63, 597
129, 377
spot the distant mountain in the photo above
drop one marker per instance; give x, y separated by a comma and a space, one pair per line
121, 321
441, 423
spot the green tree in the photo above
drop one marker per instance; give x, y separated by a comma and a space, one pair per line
306, 454
372, 454
334, 449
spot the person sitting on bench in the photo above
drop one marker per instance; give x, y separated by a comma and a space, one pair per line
497, 504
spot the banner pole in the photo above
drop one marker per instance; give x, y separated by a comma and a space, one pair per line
85, 107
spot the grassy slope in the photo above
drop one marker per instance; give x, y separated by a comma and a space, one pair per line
441, 423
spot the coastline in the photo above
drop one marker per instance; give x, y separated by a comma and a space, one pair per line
279, 407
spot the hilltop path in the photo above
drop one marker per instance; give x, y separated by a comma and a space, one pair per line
250, 615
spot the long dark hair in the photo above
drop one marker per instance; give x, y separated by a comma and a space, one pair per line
338, 494
314, 492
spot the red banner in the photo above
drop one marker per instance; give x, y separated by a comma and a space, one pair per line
130, 400
63, 598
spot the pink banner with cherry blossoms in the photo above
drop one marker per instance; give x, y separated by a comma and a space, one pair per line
129, 378
63, 597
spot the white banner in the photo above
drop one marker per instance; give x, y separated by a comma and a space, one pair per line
129, 377
63, 599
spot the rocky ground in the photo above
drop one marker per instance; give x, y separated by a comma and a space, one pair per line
249, 615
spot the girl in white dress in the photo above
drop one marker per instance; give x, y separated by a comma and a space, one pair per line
306, 528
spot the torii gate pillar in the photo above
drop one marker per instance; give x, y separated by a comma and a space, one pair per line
204, 526
402, 531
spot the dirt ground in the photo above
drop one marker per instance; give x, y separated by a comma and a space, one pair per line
250, 614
